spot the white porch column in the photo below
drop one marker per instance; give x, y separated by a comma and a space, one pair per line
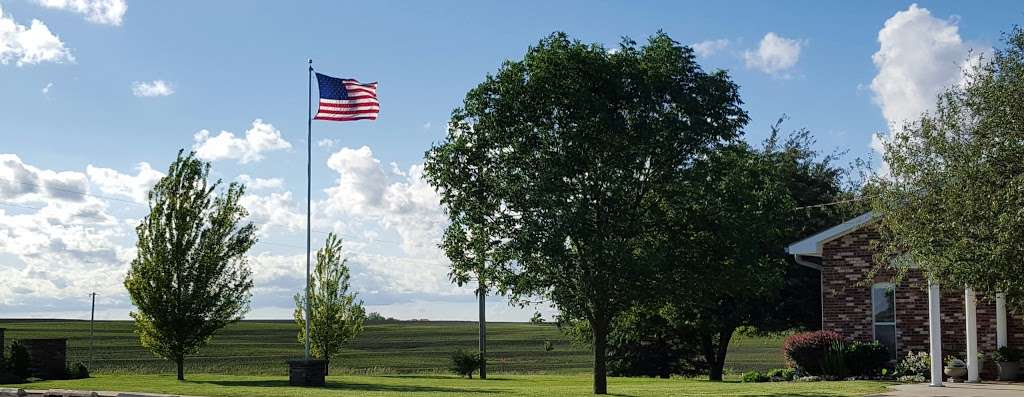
1000, 320
935, 333
972, 335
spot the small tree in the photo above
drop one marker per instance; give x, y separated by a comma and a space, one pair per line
336, 317
190, 277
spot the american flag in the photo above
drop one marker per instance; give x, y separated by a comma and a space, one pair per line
346, 99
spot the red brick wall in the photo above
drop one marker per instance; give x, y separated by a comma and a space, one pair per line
846, 300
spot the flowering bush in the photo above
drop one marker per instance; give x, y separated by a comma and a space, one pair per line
913, 367
807, 350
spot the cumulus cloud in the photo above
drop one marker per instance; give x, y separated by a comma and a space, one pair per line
274, 210
775, 55
708, 48
46, 90
398, 200
918, 57
23, 183
326, 143
252, 183
149, 89
64, 249
29, 45
135, 187
107, 12
261, 138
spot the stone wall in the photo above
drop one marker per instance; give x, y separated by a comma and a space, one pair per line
846, 305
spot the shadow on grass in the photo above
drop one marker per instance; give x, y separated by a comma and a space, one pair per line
342, 385
414, 376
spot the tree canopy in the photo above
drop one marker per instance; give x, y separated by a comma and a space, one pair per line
336, 317
953, 203
548, 170
190, 277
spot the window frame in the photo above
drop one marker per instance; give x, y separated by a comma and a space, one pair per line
874, 321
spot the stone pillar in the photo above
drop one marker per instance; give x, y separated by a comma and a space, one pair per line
971, 308
935, 333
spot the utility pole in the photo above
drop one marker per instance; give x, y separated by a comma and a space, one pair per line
92, 328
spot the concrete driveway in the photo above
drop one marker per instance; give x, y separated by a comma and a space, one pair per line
957, 390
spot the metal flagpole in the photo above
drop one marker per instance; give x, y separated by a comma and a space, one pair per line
309, 189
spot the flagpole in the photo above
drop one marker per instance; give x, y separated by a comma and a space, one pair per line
309, 189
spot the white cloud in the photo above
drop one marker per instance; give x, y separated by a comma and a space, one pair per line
919, 56
64, 249
108, 12
427, 125
29, 45
252, 183
261, 138
775, 55
155, 88
135, 187
708, 48
46, 90
274, 210
22, 183
326, 143
402, 201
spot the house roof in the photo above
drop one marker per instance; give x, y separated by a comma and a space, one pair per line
811, 246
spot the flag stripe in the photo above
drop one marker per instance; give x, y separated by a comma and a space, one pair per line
336, 102
345, 118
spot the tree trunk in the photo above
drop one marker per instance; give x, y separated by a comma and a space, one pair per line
714, 353
482, 295
180, 361
600, 329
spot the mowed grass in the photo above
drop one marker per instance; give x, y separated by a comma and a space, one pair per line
505, 385
407, 347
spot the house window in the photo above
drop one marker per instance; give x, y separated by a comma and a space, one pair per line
883, 315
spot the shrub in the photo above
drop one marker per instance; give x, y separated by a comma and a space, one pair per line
914, 364
835, 360
807, 350
1007, 354
755, 376
782, 374
465, 363
548, 346
19, 361
866, 359
645, 343
78, 371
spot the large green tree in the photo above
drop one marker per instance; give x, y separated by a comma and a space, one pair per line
952, 205
548, 170
726, 225
190, 277
336, 316
730, 221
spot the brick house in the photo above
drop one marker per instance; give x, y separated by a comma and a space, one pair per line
902, 316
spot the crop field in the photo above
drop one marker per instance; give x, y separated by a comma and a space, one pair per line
405, 347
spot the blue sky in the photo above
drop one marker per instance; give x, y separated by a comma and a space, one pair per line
94, 88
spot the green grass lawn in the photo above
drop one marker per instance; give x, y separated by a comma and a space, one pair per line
506, 385
261, 348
